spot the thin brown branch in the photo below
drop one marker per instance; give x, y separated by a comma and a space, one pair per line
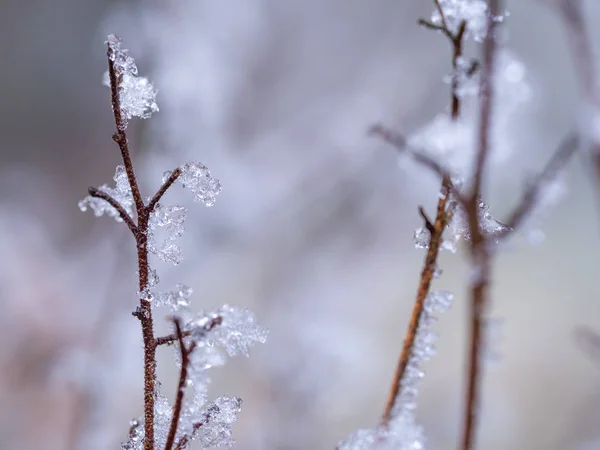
435, 241
480, 252
94, 192
559, 160
434, 27
165, 186
441, 12
170, 339
185, 361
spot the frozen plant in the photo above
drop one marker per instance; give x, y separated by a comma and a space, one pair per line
196, 338
461, 214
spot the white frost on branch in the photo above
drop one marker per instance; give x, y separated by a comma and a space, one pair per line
473, 12
227, 331
171, 218
121, 193
136, 94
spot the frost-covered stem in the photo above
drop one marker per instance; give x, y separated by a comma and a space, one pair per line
94, 192
120, 136
183, 374
145, 316
436, 230
480, 252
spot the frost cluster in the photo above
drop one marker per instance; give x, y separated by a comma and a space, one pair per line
458, 228
197, 178
171, 219
473, 12
136, 94
224, 332
402, 432
121, 193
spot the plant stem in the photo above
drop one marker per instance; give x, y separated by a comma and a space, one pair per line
436, 231
480, 251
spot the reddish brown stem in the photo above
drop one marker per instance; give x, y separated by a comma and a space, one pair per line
185, 360
480, 256
141, 237
435, 240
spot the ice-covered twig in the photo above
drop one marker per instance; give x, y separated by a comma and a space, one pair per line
97, 193
436, 231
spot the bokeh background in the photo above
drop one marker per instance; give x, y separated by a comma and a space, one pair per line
313, 229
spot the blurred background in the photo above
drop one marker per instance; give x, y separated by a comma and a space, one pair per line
313, 229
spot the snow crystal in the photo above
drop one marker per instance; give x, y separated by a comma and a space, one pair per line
121, 193
421, 237
172, 219
405, 436
196, 177
176, 299
136, 94
473, 12
439, 301
237, 333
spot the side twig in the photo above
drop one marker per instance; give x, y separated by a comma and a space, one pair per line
94, 192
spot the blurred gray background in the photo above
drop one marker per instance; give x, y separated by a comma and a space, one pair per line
313, 229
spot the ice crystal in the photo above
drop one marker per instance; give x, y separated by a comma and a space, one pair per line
439, 301
176, 299
404, 436
136, 94
121, 193
172, 219
421, 237
458, 227
237, 333
197, 178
